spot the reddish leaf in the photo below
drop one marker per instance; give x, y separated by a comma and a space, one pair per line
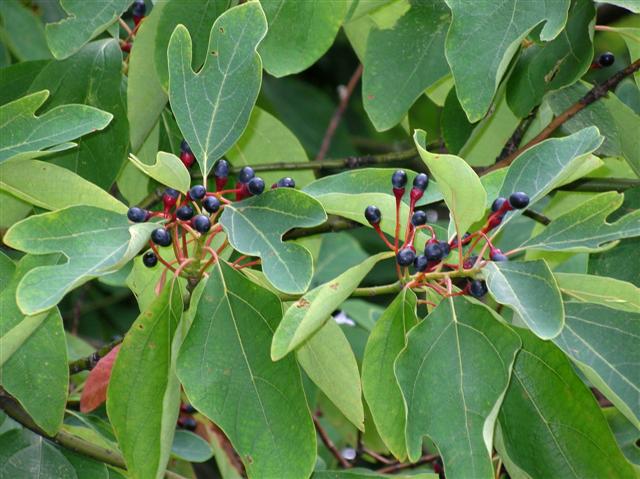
95, 389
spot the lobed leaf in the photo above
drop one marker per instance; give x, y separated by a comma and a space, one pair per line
610, 292
168, 170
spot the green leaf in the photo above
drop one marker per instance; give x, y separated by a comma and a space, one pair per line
85, 21
33, 353
255, 227
91, 77
631, 37
453, 374
143, 399
338, 252
609, 292
618, 123
197, 19
7, 268
402, 61
550, 424
605, 343
379, 383
481, 42
531, 290
190, 447
23, 134
299, 33
546, 165
547, 66
213, 106
309, 313
585, 228
626, 434
328, 360
22, 32
95, 242
167, 170
467, 205
29, 456
38, 183
267, 140
145, 96
233, 376
367, 474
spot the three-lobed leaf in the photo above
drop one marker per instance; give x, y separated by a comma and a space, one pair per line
609, 292
167, 170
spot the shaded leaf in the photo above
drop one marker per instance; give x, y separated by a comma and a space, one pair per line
22, 32
626, 434
255, 227
379, 383
143, 399
225, 368
366, 473
531, 290
190, 447
29, 456
481, 42
610, 292
605, 343
95, 242
585, 229
460, 352
299, 33
85, 21
309, 313
94, 392
168, 170
550, 424
338, 253
38, 183
23, 134
232, 71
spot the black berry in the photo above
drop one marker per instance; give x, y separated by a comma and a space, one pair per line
187, 423
221, 169
446, 249
161, 237
420, 263
211, 204
184, 213
373, 215
433, 252
246, 174
184, 146
421, 182
497, 204
606, 59
138, 9
478, 288
197, 192
519, 200
286, 182
149, 259
137, 215
201, 223
170, 193
405, 256
497, 255
187, 408
399, 179
255, 185
419, 218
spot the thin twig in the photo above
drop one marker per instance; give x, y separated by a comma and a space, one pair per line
601, 184
88, 363
590, 97
333, 224
126, 28
402, 466
329, 444
337, 115
376, 456
535, 216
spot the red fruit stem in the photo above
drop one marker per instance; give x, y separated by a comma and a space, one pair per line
384, 238
159, 256
250, 263
176, 245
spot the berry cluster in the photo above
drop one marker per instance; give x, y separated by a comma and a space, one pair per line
189, 222
431, 268
185, 418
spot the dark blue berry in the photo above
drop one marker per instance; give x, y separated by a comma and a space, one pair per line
138, 9
419, 218
373, 215
433, 252
405, 256
446, 249
187, 408
246, 174
497, 203
420, 263
221, 169
201, 223
519, 200
171, 193
421, 182
137, 215
187, 423
286, 182
211, 204
184, 213
149, 259
478, 288
399, 179
161, 237
606, 59
197, 192
497, 255
255, 185
184, 147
